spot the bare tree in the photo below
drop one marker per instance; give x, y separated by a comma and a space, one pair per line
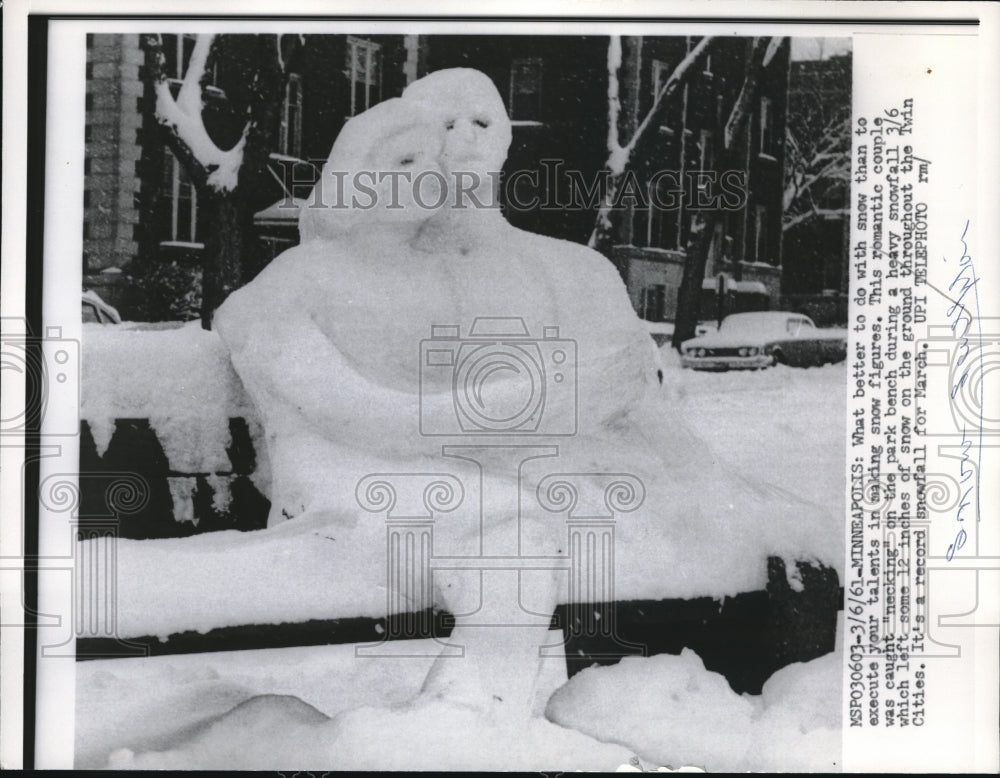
818, 145
225, 178
620, 156
703, 227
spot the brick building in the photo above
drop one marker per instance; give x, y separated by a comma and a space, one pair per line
114, 148
747, 246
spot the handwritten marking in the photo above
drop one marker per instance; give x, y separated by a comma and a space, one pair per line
963, 317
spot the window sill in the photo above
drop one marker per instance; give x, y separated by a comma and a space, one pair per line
279, 156
180, 244
760, 265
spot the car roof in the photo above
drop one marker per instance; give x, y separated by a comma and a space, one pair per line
768, 316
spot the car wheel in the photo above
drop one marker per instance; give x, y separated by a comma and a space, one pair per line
776, 358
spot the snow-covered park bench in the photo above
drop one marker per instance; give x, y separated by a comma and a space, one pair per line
171, 447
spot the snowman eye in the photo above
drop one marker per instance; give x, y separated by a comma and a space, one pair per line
450, 124
484, 123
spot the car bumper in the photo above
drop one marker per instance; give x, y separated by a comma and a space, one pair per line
727, 363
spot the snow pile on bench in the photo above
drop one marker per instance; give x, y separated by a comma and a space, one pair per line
180, 379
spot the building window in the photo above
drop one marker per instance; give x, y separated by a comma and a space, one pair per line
706, 150
766, 127
761, 246
364, 74
661, 72
654, 300
181, 212
290, 133
177, 51
526, 89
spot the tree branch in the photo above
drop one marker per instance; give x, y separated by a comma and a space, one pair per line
182, 117
616, 154
619, 156
677, 78
189, 100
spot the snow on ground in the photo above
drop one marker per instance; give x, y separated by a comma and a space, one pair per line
671, 712
322, 708
164, 704
784, 425
276, 732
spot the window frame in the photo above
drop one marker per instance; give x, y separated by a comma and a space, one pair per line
176, 203
656, 83
373, 54
290, 128
761, 235
766, 126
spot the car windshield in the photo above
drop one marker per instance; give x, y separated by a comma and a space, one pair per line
797, 326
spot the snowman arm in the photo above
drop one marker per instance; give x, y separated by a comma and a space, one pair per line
287, 363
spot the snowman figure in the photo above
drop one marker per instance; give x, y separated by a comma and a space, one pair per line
327, 340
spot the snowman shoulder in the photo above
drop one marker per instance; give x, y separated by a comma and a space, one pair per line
561, 255
585, 278
282, 293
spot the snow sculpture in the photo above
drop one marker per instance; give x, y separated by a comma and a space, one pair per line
339, 344
329, 364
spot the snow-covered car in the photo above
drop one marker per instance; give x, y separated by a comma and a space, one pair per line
762, 339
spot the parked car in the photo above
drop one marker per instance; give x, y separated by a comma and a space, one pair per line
762, 339
97, 311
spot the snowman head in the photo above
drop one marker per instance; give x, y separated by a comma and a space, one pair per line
383, 171
468, 107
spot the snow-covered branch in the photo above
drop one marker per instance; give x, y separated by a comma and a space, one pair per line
281, 57
678, 77
620, 155
182, 116
617, 156
814, 213
742, 106
812, 164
